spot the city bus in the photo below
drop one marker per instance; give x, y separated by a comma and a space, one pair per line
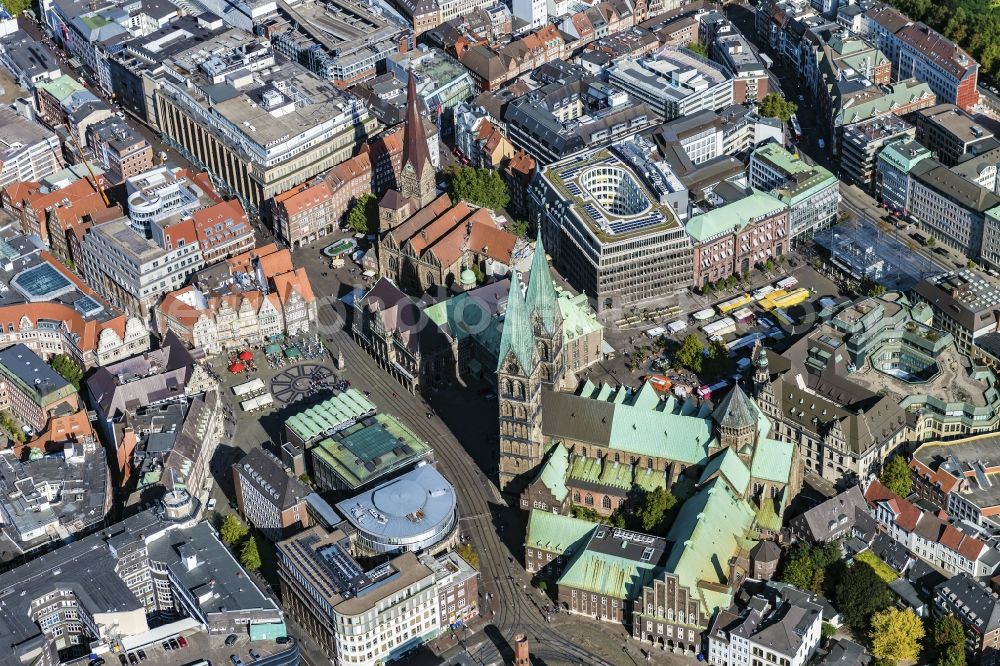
796, 128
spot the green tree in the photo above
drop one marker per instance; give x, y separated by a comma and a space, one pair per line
12, 427
827, 631
931, 242
482, 187
233, 529
469, 553
652, 513
948, 641
896, 476
691, 353
68, 369
870, 287
362, 218
774, 105
806, 565
519, 228
543, 586
250, 555
698, 47
896, 634
15, 7
860, 594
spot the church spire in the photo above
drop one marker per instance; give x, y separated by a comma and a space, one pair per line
415, 152
517, 336
542, 300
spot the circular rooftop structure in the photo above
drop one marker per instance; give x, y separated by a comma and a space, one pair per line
410, 513
616, 190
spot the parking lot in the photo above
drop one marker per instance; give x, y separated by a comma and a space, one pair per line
198, 646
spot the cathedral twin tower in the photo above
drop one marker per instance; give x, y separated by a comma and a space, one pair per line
530, 361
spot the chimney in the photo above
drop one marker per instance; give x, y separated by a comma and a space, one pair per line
522, 654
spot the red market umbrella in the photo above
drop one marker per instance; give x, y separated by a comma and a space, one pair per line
246, 355
237, 368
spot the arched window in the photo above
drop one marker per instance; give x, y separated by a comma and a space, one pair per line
430, 278
606, 502
576, 497
589, 500
543, 349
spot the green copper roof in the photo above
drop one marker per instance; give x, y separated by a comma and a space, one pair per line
555, 533
541, 298
650, 479
772, 460
330, 413
904, 155
768, 516
803, 180
361, 453
517, 337
665, 434
553, 472
735, 215
609, 474
736, 410
600, 573
62, 87
578, 317
709, 530
729, 464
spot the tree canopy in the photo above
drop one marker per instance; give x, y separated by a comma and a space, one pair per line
233, 529
698, 47
949, 641
15, 7
896, 634
774, 105
363, 216
806, 565
469, 553
896, 476
250, 555
68, 369
653, 511
482, 187
691, 353
860, 594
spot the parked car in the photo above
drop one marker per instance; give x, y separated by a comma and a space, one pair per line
211, 504
182, 641
174, 644
282, 640
231, 639
254, 654
142, 655
132, 659
123, 659
236, 660
166, 646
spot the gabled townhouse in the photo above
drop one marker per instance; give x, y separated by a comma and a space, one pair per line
930, 536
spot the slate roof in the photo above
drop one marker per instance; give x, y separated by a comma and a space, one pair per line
259, 467
825, 519
735, 410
